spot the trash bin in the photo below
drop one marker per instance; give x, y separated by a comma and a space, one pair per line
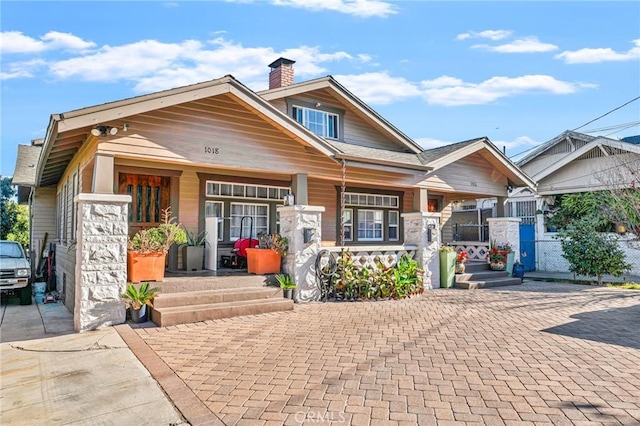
518, 271
39, 290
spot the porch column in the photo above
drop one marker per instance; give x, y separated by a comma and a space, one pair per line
299, 189
420, 200
500, 206
300, 261
103, 172
416, 233
101, 260
506, 230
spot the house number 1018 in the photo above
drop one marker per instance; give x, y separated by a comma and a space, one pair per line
211, 150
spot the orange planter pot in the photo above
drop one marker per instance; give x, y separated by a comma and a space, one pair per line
263, 261
145, 266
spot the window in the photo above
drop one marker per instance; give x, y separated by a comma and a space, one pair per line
322, 123
241, 190
371, 217
370, 225
215, 209
348, 224
258, 212
393, 225
74, 207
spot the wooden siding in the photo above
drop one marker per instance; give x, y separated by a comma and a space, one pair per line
43, 218
244, 140
541, 163
65, 273
446, 221
324, 193
357, 130
470, 175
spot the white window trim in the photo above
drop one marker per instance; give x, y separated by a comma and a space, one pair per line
329, 114
349, 225
220, 222
367, 204
231, 237
381, 223
391, 225
279, 190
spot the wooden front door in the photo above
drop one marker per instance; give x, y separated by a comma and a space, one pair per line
149, 196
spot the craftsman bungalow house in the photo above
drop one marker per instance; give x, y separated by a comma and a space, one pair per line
217, 148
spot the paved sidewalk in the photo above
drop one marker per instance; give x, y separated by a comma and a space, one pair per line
539, 353
51, 375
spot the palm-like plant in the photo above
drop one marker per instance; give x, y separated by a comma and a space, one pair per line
136, 298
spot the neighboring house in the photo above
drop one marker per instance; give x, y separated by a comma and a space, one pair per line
571, 162
218, 148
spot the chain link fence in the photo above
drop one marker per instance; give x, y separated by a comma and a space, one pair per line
549, 256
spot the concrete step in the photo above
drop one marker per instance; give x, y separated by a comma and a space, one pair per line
498, 282
476, 267
168, 316
481, 276
177, 283
205, 297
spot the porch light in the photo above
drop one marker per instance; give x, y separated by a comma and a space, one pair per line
104, 131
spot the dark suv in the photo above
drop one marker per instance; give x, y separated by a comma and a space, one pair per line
15, 271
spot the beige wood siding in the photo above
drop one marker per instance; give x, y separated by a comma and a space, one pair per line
324, 193
43, 218
539, 164
470, 175
244, 140
446, 222
65, 273
357, 130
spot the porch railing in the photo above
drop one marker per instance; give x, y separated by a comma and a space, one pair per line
369, 256
475, 250
470, 232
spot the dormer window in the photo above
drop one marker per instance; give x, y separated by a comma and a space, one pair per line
322, 123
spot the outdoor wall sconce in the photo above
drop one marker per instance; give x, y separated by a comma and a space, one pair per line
104, 131
309, 235
430, 228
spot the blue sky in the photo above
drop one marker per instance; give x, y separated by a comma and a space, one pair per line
517, 72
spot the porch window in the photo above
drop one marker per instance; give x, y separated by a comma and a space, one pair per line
215, 209
393, 225
241, 190
370, 225
348, 224
322, 123
259, 213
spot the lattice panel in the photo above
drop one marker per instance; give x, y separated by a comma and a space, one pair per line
474, 252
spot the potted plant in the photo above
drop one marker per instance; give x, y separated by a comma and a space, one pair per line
287, 285
447, 266
267, 257
138, 299
461, 258
147, 250
193, 251
499, 255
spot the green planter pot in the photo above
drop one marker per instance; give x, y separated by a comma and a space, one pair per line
510, 260
447, 269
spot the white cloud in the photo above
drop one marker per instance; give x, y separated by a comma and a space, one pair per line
24, 69
430, 143
523, 45
597, 55
490, 34
360, 8
16, 42
451, 91
379, 88
518, 144
171, 4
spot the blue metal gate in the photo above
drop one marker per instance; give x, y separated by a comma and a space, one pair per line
528, 246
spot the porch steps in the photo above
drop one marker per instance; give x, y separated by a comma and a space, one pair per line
479, 275
194, 306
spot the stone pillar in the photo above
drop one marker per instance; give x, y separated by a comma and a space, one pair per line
506, 230
301, 258
416, 233
101, 260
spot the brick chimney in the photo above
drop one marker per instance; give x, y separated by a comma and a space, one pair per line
281, 74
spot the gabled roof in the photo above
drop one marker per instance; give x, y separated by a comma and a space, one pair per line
329, 82
26, 165
445, 155
569, 135
349, 151
597, 143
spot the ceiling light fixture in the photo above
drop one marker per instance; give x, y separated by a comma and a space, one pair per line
104, 131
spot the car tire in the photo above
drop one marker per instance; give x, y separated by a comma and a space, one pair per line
25, 295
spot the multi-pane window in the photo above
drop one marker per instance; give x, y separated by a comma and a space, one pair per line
216, 209
241, 190
371, 217
322, 123
370, 225
259, 213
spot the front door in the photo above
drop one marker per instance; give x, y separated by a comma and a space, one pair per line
149, 196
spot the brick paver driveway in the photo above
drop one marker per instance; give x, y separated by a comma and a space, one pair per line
536, 353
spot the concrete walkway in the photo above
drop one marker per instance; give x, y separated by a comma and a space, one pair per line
51, 375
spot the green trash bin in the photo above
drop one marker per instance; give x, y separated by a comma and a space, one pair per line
447, 269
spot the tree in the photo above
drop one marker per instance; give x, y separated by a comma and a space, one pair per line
9, 213
591, 253
20, 230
